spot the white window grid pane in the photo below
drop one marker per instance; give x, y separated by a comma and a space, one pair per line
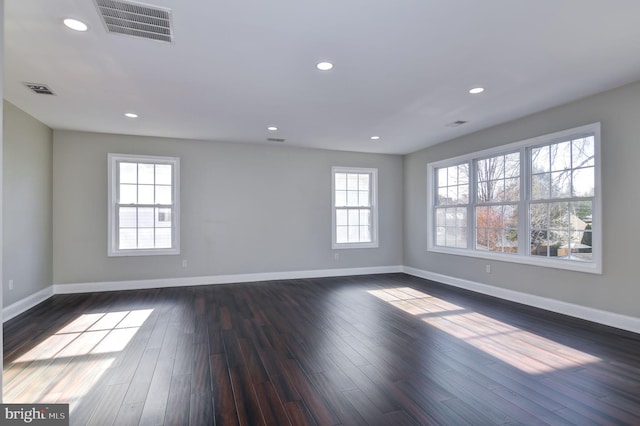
463, 174
127, 217
128, 194
583, 182
146, 217
163, 238
353, 225
498, 178
354, 201
453, 185
452, 176
583, 152
352, 182
352, 190
342, 217
497, 228
560, 156
363, 182
163, 217
146, 173
164, 174
141, 223
128, 172
146, 238
570, 171
353, 234
146, 194
163, 194
341, 234
442, 177
127, 238
352, 198
451, 227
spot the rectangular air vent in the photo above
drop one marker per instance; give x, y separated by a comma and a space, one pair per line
38, 88
275, 140
136, 19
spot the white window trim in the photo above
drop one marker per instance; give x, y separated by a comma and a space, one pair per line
113, 250
374, 208
594, 267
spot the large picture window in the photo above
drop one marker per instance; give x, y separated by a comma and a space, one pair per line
143, 205
535, 201
355, 214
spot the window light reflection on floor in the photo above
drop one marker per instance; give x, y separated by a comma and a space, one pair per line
66, 365
522, 349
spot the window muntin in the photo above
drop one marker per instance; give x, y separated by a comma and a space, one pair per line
562, 170
354, 207
143, 205
451, 205
497, 196
562, 190
534, 201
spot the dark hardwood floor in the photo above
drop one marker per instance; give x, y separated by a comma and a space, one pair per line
379, 349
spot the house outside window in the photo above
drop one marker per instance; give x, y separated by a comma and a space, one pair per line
143, 205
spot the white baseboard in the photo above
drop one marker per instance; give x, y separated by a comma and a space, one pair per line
25, 304
32, 300
219, 279
623, 322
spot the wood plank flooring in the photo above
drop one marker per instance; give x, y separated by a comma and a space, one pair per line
378, 349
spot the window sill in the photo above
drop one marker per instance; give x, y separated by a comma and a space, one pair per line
142, 252
558, 263
339, 246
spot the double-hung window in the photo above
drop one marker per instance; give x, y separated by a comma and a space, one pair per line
143, 205
355, 211
497, 196
452, 205
535, 201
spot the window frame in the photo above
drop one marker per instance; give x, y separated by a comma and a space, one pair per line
373, 196
113, 217
522, 256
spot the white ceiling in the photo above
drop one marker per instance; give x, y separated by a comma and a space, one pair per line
403, 68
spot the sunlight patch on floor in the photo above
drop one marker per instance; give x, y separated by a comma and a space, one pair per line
522, 349
66, 365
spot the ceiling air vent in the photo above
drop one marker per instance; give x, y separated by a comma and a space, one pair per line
456, 123
137, 20
38, 88
275, 139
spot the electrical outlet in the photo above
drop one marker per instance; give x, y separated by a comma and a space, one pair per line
10, 284
488, 269
184, 263
336, 256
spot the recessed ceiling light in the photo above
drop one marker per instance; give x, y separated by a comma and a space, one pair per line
272, 128
375, 138
324, 66
75, 25
131, 115
476, 90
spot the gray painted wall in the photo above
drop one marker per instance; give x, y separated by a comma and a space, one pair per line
244, 209
27, 210
618, 288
